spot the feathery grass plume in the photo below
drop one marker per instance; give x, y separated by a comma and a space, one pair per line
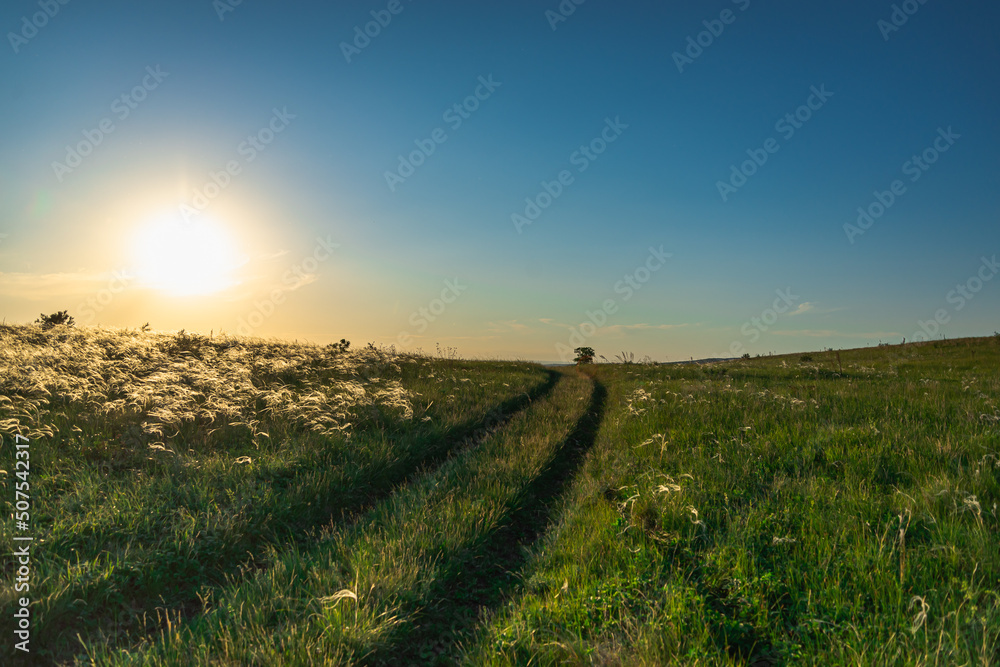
138, 387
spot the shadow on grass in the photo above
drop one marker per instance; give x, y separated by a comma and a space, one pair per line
731, 628
165, 578
482, 577
357, 501
730, 622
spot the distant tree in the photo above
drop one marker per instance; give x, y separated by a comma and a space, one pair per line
584, 355
55, 319
341, 347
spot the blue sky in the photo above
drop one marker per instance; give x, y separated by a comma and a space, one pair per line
307, 239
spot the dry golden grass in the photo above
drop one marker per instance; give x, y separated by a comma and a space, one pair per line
151, 388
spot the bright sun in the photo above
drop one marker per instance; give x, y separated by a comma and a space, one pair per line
185, 258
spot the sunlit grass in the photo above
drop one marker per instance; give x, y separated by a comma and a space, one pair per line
362, 592
233, 501
775, 511
164, 464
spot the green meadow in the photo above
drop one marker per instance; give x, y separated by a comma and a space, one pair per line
212, 500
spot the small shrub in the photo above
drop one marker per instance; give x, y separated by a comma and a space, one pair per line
806, 357
339, 348
584, 355
184, 343
55, 319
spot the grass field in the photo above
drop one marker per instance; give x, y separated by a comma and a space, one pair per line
225, 501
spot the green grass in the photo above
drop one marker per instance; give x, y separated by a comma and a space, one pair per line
238, 502
772, 511
367, 590
129, 531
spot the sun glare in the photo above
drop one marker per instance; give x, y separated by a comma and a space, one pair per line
184, 258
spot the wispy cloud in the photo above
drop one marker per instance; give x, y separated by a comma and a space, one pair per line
813, 308
804, 307
505, 326
42, 286
446, 339
642, 327
830, 333
617, 328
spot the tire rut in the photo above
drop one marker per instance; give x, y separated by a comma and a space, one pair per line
185, 602
493, 571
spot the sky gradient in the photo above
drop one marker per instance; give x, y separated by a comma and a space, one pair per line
510, 179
